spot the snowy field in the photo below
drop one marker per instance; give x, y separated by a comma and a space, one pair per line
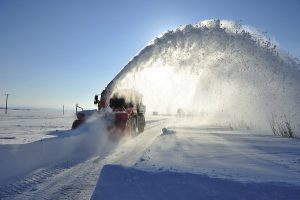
25, 126
190, 161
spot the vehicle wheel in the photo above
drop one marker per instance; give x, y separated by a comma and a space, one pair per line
133, 125
76, 123
141, 123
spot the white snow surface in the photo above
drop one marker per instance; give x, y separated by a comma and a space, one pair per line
207, 162
29, 125
196, 161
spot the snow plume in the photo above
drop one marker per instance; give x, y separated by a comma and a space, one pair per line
222, 70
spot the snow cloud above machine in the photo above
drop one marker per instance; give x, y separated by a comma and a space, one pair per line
218, 69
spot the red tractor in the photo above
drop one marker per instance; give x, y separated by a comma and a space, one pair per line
123, 111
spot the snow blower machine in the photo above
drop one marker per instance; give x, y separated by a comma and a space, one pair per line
123, 112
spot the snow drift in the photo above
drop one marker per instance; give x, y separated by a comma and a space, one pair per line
67, 148
219, 69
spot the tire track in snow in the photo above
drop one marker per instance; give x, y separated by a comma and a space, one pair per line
35, 178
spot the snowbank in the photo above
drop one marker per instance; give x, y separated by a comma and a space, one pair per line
73, 145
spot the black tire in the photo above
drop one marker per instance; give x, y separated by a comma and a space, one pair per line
76, 123
133, 125
141, 123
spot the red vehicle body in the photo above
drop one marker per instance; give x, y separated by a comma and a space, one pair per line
123, 111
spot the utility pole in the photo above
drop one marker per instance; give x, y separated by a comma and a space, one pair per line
63, 109
6, 103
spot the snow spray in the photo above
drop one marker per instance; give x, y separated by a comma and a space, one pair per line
220, 70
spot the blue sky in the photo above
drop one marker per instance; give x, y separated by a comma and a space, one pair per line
55, 52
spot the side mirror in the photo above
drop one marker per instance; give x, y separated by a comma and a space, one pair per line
96, 101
